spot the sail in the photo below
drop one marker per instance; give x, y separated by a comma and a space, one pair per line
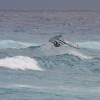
57, 41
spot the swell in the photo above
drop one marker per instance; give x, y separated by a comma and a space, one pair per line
57, 64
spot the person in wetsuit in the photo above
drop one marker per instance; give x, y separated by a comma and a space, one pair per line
56, 44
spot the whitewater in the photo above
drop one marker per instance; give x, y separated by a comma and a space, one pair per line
31, 68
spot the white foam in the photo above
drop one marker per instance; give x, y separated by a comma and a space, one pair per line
15, 44
20, 62
90, 45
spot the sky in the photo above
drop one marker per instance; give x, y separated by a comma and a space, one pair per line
51, 4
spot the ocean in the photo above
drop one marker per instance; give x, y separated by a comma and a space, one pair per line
31, 68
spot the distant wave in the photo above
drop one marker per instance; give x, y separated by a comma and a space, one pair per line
4, 44
20, 62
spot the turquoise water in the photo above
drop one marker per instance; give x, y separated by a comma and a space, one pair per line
31, 68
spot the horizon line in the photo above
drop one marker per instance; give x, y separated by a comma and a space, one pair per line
63, 10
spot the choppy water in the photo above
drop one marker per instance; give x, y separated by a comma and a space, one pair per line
33, 69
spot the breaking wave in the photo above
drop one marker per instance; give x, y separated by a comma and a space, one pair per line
20, 62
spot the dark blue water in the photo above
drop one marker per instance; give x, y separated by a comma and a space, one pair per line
31, 68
